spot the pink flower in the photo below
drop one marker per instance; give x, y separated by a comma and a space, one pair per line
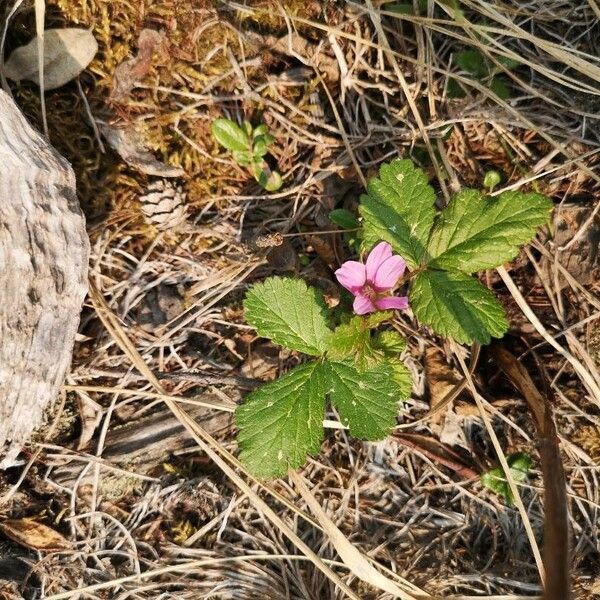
372, 282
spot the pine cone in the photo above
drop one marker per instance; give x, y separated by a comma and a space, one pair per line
163, 205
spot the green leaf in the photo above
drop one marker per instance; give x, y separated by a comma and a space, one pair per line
399, 209
390, 342
408, 8
343, 218
457, 305
367, 401
454, 89
353, 339
290, 313
473, 62
500, 88
282, 422
242, 157
402, 377
260, 146
508, 63
520, 465
268, 179
475, 232
230, 135
261, 129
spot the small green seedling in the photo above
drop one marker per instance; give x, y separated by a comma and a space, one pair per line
248, 146
520, 465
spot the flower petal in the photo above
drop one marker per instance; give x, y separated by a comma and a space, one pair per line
363, 305
392, 303
352, 275
377, 256
388, 273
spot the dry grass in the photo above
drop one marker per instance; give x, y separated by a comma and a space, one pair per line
347, 86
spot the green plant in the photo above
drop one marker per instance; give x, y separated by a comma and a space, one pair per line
356, 364
477, 65
248, 147
494, 479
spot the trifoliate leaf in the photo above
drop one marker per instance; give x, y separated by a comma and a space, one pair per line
282, 422
367, 401
230, 135
399, 209
520, 465
474, 232
290, 313
457, 305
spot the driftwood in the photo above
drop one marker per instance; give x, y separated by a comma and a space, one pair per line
142, 444
44, 253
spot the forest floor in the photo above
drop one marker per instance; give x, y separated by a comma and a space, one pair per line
147, 510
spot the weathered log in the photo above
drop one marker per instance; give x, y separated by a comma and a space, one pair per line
44, 252
143, 444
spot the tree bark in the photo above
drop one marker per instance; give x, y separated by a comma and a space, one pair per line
44, 251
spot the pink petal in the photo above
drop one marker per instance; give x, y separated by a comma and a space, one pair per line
392, 303
376, 257
352, 275
388, 273
363, 305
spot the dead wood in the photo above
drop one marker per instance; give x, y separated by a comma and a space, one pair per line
143, 444
44, 253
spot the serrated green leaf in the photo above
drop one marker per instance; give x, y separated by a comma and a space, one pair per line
473, 62
474, 233
402, 377
344, 218
230, 135
367, 401
390, 342
290, 313
494, 479
457, 305
399, 209
353, 339
282, 422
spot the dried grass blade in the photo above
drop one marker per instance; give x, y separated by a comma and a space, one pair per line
349, 554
